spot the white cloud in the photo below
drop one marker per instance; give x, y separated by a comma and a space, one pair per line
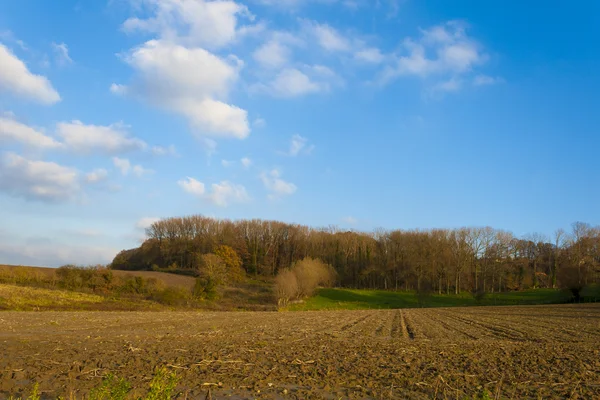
61, 53
117, 89
192, 186
327, 37
146, 222
112, 139
276, 186
140, 171
484, 80
9, 37
259, 123
221, 194
292, 82
163, 151
369, 55
350, 220
442, 50
298, 145
211, 24
246, 162
122, 164
12, 130
272, 54
189, 81
451, 85
16, 78
97, 175
225, 193
125, 166
227, 163
37, 180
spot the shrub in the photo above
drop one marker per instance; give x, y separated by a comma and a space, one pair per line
171, 296
302, 279
69, 277
205, 288
286, 287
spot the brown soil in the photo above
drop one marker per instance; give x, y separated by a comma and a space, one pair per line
513, 352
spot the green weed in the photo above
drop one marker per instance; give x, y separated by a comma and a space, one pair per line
111, 388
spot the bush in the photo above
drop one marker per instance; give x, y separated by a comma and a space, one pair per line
286, 287
205, 288
171, 296
302, 279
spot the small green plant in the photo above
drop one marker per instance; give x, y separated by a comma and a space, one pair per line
111, 388
35, 394
483, 395
163, 385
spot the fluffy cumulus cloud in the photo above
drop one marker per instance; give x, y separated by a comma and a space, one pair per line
96, 176
192, 186
276, 186
327, 37
444, 50
125, 167
190, 81
209, 24
179, 71
220, 194
12, 130
37, 180
292, 82
112, 139
272, 54
16, 78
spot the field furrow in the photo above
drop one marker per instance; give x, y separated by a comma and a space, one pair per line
513, 352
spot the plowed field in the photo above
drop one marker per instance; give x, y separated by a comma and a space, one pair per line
512, 352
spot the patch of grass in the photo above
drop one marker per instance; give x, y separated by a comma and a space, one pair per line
163, 385
355, 299
27, 298
23, 298
111, 388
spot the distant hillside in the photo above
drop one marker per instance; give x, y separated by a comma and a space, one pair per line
26, 288
169, 280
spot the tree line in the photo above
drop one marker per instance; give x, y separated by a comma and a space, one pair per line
441, 260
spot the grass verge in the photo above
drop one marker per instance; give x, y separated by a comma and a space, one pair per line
354, 299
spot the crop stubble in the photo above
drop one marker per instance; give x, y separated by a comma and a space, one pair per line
514, 352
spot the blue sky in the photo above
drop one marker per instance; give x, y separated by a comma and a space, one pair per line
361, 114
